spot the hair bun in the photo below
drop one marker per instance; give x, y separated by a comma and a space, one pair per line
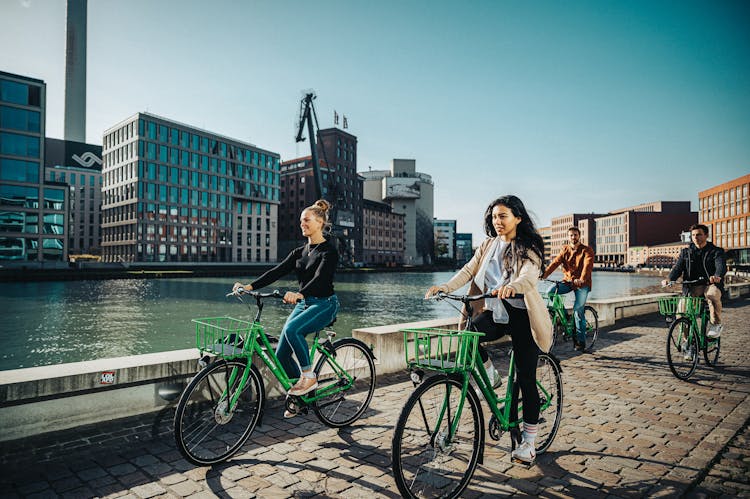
322, 204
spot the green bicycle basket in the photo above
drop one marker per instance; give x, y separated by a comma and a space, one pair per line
684, 305
443, 350
554, 300
222, 336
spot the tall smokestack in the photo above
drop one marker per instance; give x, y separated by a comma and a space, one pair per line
75, 71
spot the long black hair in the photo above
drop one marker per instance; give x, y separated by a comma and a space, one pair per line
527, 237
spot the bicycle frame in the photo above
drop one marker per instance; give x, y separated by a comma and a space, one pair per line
559, 311
700, 330
500, 407
260, 345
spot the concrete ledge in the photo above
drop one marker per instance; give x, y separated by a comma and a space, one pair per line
387, 342
738, 289
51, 398
610, 310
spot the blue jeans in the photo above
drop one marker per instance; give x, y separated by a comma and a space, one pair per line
310, 315
581, 294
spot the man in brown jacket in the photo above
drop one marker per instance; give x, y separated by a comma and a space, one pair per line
577, 260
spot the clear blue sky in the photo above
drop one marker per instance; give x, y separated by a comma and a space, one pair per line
575, 106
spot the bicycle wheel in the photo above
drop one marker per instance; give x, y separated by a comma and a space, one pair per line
205, 431
711, 351
343, 408
682, 349
592, 326
550, 387
426, 461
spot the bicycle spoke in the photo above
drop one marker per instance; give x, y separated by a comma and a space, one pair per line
206, 430
349, 382
429, 461
682, 349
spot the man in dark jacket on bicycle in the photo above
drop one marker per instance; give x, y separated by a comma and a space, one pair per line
702, 261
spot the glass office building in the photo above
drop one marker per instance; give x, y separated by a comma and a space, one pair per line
32, 211
175, 193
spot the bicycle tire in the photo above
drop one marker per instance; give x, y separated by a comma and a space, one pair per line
711, 351
424, 464
592, 326
343, 408
204, 433
549, 376
680, 336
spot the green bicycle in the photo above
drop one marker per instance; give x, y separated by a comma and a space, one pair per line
564, 325
223, 403
439, 437
686, 336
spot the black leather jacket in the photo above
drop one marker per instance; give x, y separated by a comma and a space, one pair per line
691, 266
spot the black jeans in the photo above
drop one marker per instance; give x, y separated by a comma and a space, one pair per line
525, 351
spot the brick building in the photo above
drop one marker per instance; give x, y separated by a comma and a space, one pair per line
724, 209
383, 237
342, 186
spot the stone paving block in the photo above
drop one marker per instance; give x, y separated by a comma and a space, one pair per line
111, 490
135, 478
186, 488
148, 490
238, 493
335, 485
97, 483
66, 484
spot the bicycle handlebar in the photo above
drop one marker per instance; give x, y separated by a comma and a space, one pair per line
469, 298
256, 294
700, 280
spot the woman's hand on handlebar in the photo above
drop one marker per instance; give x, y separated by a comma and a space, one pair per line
435, 290
292, 297
504, 292
240, 288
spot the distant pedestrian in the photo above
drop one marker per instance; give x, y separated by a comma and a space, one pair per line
316, 303
577, 261
509, 261
702, 260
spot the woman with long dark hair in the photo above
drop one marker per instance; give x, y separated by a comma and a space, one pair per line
508, 262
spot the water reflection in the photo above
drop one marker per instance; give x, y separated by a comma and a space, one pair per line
56, 322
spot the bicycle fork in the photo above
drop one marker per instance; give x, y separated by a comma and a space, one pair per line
442, 435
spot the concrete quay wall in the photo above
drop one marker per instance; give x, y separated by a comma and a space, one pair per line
45, 399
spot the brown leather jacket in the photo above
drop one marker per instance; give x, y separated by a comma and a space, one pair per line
577, 264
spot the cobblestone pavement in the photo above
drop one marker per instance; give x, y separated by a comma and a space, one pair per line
629, 429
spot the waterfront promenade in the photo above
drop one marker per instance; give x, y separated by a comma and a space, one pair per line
630, 429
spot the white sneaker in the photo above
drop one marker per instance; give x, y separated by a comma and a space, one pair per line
524, 453
494, 377
688, 353
714, 331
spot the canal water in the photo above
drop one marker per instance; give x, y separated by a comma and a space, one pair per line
46, 323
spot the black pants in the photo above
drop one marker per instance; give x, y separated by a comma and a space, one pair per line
525, 351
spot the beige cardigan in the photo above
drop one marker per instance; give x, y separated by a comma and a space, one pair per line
523, 280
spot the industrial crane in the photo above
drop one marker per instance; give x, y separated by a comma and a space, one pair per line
306, 116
